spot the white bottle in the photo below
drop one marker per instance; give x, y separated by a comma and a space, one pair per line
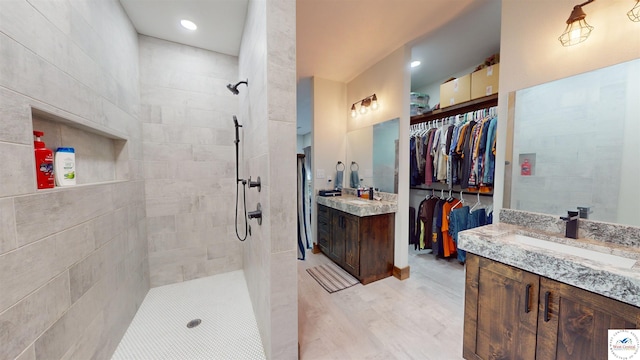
65, 166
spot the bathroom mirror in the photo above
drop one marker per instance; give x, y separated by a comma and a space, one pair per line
374, 149
576, 143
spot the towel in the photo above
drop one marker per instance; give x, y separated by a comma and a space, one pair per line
355, 179
339, 177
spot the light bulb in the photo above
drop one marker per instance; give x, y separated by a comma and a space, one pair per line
188, 24
353, 111
363, 109
374, 102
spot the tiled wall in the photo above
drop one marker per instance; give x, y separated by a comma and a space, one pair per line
267, 111
73, 261
189, 160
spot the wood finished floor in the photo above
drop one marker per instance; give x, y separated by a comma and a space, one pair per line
418, 318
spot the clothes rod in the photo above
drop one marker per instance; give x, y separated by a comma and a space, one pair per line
453, 191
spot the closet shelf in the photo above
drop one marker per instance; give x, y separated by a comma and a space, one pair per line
473, 105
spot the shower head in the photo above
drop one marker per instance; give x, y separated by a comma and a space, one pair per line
234, 88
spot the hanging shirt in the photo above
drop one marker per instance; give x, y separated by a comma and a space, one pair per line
459, 221
490, 157
448, 246
436, 232
428, 173
425, 214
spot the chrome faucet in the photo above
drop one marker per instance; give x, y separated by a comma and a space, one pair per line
571, 219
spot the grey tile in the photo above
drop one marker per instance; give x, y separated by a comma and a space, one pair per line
165, 274
16, 115
24, 322
7, 226
29, 267
18, 175
28, 354
58, 210
161, 224
60, 337
84, 274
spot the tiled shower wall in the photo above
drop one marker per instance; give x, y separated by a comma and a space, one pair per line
268, 113
73, 261
189, 155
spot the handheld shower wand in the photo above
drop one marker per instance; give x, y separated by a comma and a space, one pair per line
257, 214
237, 142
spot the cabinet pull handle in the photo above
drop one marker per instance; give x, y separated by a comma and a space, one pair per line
546, 306
526, 299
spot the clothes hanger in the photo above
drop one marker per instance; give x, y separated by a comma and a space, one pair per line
450, 198
461, 201
478, 203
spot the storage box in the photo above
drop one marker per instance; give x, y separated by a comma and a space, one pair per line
455, 91
485, 82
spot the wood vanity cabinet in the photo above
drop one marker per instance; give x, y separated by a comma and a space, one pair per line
363, 246
514, 314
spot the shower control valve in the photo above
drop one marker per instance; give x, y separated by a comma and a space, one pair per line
256, 214
255, 183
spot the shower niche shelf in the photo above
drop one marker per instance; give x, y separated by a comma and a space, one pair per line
101, 154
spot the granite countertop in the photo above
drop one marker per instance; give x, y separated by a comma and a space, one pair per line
503, 243
358, 206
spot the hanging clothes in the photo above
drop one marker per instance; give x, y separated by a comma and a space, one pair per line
436, 228
425, 215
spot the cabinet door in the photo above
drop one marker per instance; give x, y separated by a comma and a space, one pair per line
324, 228
573, 323
352, 245
500, 311
337, 244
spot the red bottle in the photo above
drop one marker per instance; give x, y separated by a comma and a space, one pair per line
525, 168
44, 163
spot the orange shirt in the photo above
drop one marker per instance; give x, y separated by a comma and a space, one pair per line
448, 245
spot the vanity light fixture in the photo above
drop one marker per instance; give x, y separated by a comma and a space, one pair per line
634, 13
369, 101
188, 24
577, 29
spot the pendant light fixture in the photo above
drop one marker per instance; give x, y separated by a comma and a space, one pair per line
577, 29
634, 13
370, 101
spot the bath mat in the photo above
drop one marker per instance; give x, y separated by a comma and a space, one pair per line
331, 277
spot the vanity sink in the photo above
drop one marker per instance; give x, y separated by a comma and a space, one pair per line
613, 260
359, 202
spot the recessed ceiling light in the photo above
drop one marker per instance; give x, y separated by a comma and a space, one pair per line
415, 63
188, 24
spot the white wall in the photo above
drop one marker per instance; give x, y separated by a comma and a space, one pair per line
531, 54
74, 260
329, 124
390, 80
433, 89
268, 114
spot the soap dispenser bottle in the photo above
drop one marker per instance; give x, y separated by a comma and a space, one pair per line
44, 163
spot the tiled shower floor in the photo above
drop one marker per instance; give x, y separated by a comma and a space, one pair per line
228, 329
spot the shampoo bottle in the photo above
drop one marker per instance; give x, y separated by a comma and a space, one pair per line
65, 166
44, 163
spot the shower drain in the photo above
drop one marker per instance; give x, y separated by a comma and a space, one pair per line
193, 323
